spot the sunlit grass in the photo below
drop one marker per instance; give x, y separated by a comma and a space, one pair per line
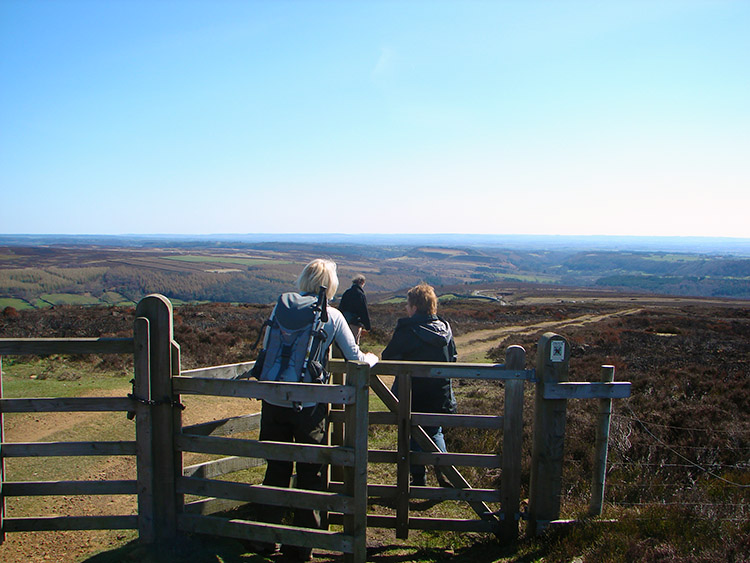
18, 304
57, 376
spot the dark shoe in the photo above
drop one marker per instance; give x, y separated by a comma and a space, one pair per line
259, 547
418, 482
294, 553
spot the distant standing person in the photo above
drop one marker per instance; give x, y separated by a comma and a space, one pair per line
354, 307
424, 336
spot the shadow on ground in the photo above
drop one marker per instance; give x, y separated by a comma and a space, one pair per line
199, 549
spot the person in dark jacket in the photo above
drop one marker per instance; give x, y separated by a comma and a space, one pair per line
354, 307
424, 336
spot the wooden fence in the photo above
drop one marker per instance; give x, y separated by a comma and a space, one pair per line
35, 449
161, 482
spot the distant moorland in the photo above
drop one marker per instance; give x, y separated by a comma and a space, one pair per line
40, 271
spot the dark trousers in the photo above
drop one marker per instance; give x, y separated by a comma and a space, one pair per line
356, 332
282, 424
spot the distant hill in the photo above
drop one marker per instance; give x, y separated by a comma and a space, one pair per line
572, 243
44, 270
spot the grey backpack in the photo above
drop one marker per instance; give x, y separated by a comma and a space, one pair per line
294, 351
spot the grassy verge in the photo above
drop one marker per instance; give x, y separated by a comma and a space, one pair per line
57, 376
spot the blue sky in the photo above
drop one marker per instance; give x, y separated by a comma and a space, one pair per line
491, 117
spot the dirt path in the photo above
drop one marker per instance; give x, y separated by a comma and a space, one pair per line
473, 347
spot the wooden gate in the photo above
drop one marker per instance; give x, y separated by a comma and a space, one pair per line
503, 522
170, 440
162, 482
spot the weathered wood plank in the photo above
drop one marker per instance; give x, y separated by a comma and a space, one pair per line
42, 449
436, 493
355, 478
52, 523
225, 426
67, 404
47, 346
306, 453
158, 310
545, 484
278, 496
228, 371
403, 410
223, 466
512, 444
208, 506
599, 472
337, 421
455, 459
436, 524
178, 459
143, 428
269, 391
615, 390
490, 422
453, 370
43, 488
382, 456
448, 524
458, 420
263, 532
384, 393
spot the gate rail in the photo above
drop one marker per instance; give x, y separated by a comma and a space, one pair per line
10, 489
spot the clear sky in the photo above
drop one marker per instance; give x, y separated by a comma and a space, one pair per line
506, 117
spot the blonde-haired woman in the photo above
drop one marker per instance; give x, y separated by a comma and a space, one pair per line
282, 421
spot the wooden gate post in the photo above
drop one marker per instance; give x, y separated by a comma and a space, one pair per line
552, 359
510, 484
355, 481
404, 455
602, 443
143, 429
158, 310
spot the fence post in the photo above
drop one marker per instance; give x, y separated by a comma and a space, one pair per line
552, 358
510, 484
602, 443
158, 310
174, 351
355, 481
143, 437
404, 455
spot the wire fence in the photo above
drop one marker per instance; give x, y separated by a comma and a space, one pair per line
708, 488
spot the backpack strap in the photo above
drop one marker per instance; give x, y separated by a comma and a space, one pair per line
268, 322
